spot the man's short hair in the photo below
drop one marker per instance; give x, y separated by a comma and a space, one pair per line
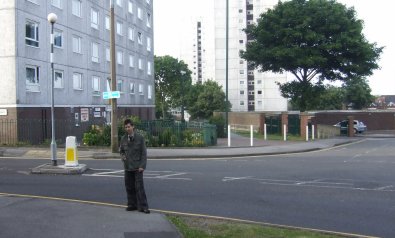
128, 121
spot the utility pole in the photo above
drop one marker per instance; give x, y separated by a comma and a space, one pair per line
114, 109
227, 65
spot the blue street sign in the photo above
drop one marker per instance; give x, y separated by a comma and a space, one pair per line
111, 94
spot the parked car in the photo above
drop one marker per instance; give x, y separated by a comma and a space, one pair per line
359, 126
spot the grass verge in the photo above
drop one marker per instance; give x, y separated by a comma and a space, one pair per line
198, 227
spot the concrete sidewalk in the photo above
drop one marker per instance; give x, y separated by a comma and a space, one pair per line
22, 217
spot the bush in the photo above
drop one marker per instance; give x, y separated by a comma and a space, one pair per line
219, 122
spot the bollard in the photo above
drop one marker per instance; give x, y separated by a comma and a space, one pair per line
71, 152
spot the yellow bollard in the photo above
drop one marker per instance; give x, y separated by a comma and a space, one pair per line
71, 152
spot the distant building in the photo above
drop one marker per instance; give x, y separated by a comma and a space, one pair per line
81, 56
384, 102
248, 89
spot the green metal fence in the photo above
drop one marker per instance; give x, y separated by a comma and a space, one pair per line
273, 124
294, 124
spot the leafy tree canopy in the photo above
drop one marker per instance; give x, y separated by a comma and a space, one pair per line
315, 40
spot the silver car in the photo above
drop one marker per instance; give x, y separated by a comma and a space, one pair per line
359, 126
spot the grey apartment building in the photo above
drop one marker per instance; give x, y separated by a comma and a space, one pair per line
81, 59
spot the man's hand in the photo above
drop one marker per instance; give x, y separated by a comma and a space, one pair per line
141, 170
123, 157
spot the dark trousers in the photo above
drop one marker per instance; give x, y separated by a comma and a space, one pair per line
134, 185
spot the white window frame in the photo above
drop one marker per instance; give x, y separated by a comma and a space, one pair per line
34, 40
107, 22
140, 64
149, 20
119, 28
130, 7
119, 3
148, 44
77, 44
76, 8
108, 54
58, 38
131, 33
141, 89
149, 96
140, 13
77, 81
58, 73
95, 18
149, 69
241, 103
132, 88
33, 1
33, 85
95, 52
120, 85
119, 57
96, 84
57, 3
131, 61
140, 38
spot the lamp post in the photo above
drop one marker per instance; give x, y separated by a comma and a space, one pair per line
227, 66
182, 94
114, 107
52, 19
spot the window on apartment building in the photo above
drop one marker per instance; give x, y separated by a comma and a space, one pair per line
131, 88
141, 89
251, 92
119, 28
140, 38
32, 78
149, 92
58, 38
139, 13
259, 92
251, 82
241, 62
131, 61
56, 3
241, 103
77, 44
242, 82
148, 19
140, 64
94, 19
251, 103
259, 103
240, 10
95, 84
108, 55
241, 41
31, 36
77, 81
120, 85
107, 22
130, 7
95, 52
148, 44
149, 72
119, 57
76, 7
241, 71
58, 79
131, 34
119, 3
241, 92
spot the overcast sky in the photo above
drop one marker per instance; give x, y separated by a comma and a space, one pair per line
171, 16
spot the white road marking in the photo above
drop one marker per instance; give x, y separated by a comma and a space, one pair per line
234, 178
148, 174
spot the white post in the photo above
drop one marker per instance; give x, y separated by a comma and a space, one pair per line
307, 133
228, 135
312, 132
264, 131
252, 135
285, 132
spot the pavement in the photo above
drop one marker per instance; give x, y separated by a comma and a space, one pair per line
31, 216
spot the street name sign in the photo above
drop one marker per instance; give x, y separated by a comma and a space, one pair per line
111, 94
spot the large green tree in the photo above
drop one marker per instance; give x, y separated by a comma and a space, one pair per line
315, 40
204, 99
358, 93
172, 84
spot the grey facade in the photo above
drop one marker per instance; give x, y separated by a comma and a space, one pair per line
81, 58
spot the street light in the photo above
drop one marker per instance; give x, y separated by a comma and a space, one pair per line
52, 19
182, 94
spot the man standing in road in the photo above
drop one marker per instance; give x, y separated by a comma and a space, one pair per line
134, 156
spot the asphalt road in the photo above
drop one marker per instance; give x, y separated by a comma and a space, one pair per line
345, 189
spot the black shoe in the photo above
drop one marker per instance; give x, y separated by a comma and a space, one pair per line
131, 208
146, 211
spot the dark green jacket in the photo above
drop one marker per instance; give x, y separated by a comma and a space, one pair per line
134, 151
